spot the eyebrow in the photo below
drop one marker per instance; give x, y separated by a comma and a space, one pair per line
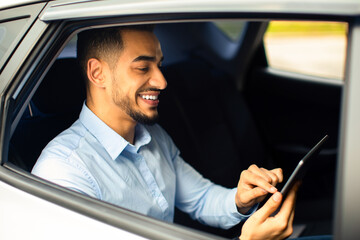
147, 58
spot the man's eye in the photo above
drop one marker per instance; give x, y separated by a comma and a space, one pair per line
145, 69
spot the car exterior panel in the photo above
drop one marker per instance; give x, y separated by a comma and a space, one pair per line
348, 193
24, 216
77, 10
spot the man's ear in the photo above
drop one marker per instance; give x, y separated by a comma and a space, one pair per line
95, 72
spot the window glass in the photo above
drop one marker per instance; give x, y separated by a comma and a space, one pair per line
231, 28
8, 32
312, 48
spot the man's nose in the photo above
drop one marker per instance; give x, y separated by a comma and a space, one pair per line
158, 80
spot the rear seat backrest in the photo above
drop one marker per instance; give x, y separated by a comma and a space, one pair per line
210, 122
212, 126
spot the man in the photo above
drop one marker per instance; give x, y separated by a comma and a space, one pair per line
115, 152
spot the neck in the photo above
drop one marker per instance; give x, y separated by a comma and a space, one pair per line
117, 120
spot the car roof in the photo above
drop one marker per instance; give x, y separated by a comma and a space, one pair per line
70, 9
14, 3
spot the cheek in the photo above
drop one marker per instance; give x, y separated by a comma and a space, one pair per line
128, 84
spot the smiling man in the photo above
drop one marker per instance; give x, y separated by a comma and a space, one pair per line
115, 152
129, 81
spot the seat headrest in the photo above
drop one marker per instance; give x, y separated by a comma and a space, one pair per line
62, 89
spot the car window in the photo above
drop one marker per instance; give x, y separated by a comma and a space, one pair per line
231, 28
312, 48
9, 30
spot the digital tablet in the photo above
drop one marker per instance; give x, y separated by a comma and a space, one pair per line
303, 166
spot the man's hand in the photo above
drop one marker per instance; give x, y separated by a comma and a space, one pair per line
254, 184
261, 225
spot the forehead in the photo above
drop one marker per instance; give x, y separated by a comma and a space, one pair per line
140, 43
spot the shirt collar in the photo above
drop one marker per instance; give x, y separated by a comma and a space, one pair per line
113, 143
142, 136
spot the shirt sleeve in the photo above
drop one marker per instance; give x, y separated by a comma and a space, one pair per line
68, 174
205, 201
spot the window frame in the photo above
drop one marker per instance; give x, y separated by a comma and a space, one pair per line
346, 216
26, 12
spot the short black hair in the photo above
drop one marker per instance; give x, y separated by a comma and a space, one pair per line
102, 43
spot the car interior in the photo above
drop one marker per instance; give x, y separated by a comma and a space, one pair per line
224, 108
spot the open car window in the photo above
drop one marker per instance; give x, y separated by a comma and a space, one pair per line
312, 48
190, 73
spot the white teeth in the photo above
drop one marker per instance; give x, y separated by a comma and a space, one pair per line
149, 97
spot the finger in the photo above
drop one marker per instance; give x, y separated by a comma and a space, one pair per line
274, 177
248, 196
279, 173
269, 207
292, 215
289, 229
262, 172
289, 203
252, 179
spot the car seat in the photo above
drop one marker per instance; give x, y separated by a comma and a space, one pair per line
209, 121
53, 108
212, 126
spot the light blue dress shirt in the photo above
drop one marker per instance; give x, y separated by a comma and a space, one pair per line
148, 177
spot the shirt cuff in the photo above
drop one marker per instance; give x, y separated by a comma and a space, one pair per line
234, 211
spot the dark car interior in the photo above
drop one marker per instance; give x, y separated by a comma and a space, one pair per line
224, 110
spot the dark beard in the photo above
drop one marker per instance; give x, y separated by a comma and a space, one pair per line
142, 118
138, 116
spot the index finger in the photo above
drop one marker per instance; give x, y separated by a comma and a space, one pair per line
260, 178
279, 173
254, 179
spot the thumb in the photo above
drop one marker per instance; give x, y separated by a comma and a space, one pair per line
269, 207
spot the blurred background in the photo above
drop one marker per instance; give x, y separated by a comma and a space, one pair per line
314, 48
307, 47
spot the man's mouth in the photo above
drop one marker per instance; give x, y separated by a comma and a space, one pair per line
150, 97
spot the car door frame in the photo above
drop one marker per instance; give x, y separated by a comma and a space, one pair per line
347, 211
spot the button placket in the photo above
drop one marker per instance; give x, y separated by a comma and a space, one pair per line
151, 182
